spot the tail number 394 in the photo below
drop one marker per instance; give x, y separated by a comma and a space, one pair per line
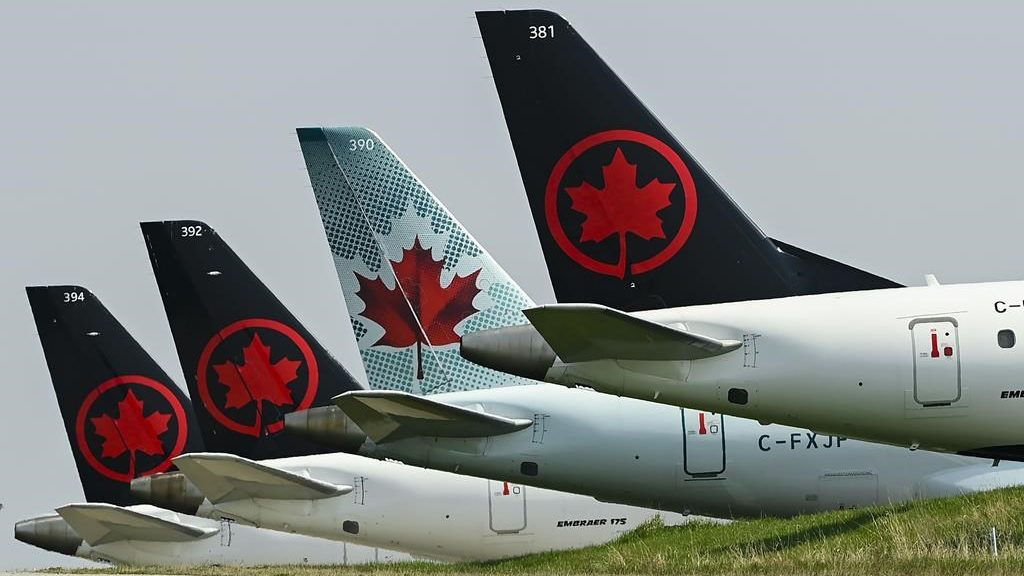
74, 297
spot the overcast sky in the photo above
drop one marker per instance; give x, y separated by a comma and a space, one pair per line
886, 135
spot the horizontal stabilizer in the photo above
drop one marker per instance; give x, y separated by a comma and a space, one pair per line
586, 332
387, 415
105, 523
224, 478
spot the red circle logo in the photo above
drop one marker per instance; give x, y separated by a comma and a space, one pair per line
136, 424
628, 198
255, 371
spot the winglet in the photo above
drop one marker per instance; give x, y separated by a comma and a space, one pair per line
224, 478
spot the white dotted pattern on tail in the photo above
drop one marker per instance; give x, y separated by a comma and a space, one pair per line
373, 210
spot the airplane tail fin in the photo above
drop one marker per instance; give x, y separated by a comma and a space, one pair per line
414, 279
245, 356
124, 416
626, 216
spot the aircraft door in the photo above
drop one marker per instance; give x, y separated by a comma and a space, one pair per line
936, 348
507, 502
703, 443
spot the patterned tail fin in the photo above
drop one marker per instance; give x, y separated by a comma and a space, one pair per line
124, 416
414, 279
248, 361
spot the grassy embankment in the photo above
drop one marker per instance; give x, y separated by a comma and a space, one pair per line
949, 536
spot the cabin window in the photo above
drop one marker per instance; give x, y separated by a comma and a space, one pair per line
528, 468
1006, 338
350, 526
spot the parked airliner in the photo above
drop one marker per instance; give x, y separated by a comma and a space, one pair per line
414, 279
252, 363
930, 367
124, 417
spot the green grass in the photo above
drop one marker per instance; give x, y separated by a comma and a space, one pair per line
948, 536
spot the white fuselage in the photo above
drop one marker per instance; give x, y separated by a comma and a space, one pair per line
916, 367
232, 545
643, 453
434, 514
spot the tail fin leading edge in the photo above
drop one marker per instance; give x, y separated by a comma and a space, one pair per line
414, 279
124, 416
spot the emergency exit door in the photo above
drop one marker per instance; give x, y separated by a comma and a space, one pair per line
507, 502
703, 443
936, 348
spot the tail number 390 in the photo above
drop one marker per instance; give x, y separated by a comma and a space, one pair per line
360, 144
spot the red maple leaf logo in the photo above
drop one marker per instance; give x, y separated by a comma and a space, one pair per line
621, 207
257, 379
419, 309
131, 431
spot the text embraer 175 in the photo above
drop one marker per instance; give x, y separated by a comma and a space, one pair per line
932, 367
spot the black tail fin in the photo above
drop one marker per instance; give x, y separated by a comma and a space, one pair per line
247, 360
124, 416
625, 214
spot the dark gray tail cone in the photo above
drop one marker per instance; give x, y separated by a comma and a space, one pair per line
516, 350
49, 532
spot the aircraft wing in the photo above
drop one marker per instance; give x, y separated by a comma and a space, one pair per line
225, 477
387, 415
105, 523
586, 332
